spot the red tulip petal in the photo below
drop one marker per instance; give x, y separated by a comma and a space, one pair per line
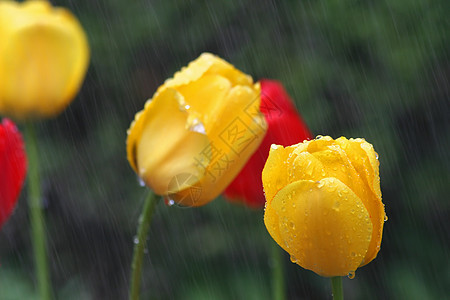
285, 127
12, 166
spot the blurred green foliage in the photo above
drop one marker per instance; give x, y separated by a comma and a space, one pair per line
358, 68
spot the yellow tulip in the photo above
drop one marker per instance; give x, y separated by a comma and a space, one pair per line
324, 203
44, 55
197, 132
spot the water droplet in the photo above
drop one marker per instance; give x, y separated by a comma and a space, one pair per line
259, 120
182, 106
336, 205
385, 217
319, 137
376, 155
331, 187
274, 147
294, 259
197, 126
141, 181
351, 274
187, 106
169, 201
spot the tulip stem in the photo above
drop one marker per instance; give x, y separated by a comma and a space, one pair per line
140, 244
38, 235
278, 290
336, 286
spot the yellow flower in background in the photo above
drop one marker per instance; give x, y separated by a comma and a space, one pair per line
44, 55
197, 132
324, 203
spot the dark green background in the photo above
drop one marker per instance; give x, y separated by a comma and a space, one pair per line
373, 69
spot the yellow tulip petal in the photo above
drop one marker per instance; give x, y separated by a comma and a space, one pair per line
37, 6
306, 166
319, 144
275, 174
162, 131
207, 64
336, 164
221, 105
284, 166
360, 158
204, 95
234, 138
272, 222
237, 130
372, 178
363, 157
323, 225
228, 71
274, 177
44, 61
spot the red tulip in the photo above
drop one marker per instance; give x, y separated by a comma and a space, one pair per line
286, 128
12, 167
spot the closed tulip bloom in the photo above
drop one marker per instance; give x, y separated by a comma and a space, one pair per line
197, 132
285, 127
44, 55
324, 203
12, 167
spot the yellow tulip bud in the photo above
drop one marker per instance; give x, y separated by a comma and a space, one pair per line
44, 55
197, 132
323, 203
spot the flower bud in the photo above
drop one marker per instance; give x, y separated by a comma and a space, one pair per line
324, 203
197, 132
44, 55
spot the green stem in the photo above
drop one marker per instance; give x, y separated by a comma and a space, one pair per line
38, 235
278, 289
336, 286
139, 245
